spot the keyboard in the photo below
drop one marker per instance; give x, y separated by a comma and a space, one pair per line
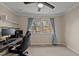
9, 41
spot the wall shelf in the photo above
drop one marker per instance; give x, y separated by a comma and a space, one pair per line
8, 22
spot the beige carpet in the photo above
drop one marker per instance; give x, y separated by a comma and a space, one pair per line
50, 51
47, 51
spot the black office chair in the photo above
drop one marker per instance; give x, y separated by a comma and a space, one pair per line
22, 48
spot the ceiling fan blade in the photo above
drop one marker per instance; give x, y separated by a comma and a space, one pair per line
28, 2
47, 4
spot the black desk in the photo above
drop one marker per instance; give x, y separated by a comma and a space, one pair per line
3, 47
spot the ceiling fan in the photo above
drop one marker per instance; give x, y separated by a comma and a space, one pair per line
41, 4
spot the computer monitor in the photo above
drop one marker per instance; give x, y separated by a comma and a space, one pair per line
18, 33
6, 32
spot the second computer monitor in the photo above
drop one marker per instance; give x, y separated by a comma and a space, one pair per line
6, 32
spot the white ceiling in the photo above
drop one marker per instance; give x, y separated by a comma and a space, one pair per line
31, 9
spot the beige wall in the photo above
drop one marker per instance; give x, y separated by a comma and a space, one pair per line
41, 38
59, 29
71, 29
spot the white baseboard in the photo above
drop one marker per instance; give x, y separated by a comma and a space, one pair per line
72, 49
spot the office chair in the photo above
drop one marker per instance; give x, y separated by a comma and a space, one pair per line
21, 49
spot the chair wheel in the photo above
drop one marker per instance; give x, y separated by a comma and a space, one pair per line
27, 52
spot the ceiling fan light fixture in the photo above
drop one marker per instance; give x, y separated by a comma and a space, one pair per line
40, 5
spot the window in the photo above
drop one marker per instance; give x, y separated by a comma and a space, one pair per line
41, 25
46, 26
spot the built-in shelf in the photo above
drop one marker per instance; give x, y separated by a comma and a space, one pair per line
4, 18
9, 27
12, 22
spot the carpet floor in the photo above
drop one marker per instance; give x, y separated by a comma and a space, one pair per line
50, 51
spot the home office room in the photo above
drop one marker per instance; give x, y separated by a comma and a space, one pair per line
39, 28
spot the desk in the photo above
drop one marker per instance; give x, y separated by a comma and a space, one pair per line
3, 47
16, 41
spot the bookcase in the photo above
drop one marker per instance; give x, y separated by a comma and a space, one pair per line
6, 21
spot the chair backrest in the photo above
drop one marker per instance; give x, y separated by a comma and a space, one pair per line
25, 42
27, 33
